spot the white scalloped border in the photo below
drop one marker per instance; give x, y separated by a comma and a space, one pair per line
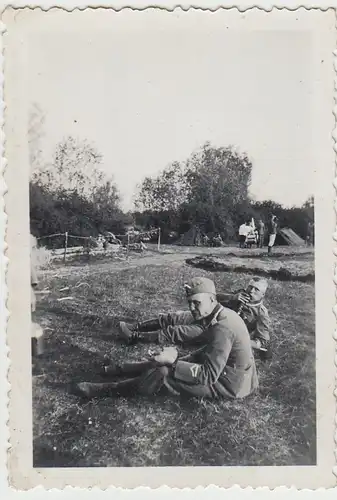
140, 5
4, 313
170, 5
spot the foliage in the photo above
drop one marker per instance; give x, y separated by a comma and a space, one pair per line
209, 191
74, 195
165, 192
204, 191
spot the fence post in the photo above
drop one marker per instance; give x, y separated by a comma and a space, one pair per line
128, 243
65, 246
158, 240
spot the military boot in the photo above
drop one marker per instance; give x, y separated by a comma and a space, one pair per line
145, 331
89, 390
121, 369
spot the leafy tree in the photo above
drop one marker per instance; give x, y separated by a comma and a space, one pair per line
75, 167
73, 194
204, 191
167, 191
218, 180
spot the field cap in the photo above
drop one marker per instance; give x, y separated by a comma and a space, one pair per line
199, 285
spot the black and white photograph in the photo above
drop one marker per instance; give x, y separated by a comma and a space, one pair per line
173, 191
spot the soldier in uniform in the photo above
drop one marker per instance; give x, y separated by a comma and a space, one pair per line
223, 367
249, 304
179, 327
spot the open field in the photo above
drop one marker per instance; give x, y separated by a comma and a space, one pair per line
275, 426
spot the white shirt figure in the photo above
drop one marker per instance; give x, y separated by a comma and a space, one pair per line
244, 229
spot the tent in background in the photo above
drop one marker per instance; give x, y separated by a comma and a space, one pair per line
191, 237
289, 237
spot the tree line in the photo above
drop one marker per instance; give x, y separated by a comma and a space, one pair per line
73, 194
210, 191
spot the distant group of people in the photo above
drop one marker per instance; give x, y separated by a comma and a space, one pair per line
214, 241
250, 234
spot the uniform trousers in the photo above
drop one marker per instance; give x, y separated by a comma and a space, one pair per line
178, 327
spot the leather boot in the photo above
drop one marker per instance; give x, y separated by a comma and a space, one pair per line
151, 325
91, 390
127, 332
121, 369
145, 331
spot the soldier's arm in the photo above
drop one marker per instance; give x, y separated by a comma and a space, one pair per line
229, 299
262, 330
193, 357
214, 359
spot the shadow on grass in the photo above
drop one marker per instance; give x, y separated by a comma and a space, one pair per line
70, 363
86, 319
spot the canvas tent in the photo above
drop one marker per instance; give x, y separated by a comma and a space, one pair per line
191, 237
288, 236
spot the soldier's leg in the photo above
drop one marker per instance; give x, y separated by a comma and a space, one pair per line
151, 382
146, 331
179, 388
178, 327
106, 389
127, 369
271, 243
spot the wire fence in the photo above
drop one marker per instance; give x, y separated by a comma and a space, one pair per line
65, 244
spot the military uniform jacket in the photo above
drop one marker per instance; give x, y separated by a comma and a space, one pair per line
255, 316
225, 362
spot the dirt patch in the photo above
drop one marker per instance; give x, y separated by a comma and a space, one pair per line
281, 270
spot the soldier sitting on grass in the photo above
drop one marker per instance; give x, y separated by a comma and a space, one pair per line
181, 327
223, 367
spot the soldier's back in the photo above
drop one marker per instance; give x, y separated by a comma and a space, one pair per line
232, 324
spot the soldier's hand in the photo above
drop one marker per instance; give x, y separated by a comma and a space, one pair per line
244, 297
167, 356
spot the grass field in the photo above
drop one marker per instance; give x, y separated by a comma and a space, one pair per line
275, 426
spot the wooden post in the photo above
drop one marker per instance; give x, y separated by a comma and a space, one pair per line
127, 253
65, 246
158, 240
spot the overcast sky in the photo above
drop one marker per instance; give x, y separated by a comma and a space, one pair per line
153, 96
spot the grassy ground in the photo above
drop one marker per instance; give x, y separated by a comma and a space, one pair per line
276, 426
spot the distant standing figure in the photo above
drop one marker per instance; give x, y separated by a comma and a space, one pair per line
217, 240
205, 240
261, 231
272, 231
310, 234
243, 231
251, 236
